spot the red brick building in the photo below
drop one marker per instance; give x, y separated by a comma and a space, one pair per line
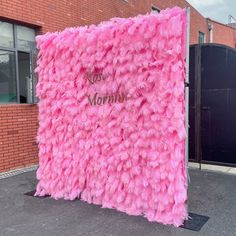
20, 21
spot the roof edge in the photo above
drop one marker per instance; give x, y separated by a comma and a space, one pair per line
220, 23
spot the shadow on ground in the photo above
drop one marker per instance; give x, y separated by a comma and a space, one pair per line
211, 194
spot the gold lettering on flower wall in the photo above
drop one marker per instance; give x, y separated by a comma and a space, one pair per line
97, 99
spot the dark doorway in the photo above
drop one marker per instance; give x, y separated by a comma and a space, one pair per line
212, 104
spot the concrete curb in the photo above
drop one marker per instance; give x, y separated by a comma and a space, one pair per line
215, 168
10, 173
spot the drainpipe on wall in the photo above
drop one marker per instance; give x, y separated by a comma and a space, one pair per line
210, 28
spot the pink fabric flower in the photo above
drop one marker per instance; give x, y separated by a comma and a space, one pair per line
111, 115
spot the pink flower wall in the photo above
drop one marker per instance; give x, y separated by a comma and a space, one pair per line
111, 115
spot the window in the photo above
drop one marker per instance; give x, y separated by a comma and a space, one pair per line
17, 55
155, 9
25, 38
201, 37
7, 77
6, 35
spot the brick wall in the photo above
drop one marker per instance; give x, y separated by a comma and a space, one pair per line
197, 21
18, 123
18, 127
223, 34
53, 15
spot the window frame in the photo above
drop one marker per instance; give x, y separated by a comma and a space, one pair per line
204, 37
16, 50
16, 73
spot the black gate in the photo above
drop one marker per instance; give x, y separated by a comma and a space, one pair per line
212, 116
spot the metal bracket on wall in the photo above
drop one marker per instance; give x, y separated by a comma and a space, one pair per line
186, 84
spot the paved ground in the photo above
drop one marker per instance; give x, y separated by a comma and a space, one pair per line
211, 194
